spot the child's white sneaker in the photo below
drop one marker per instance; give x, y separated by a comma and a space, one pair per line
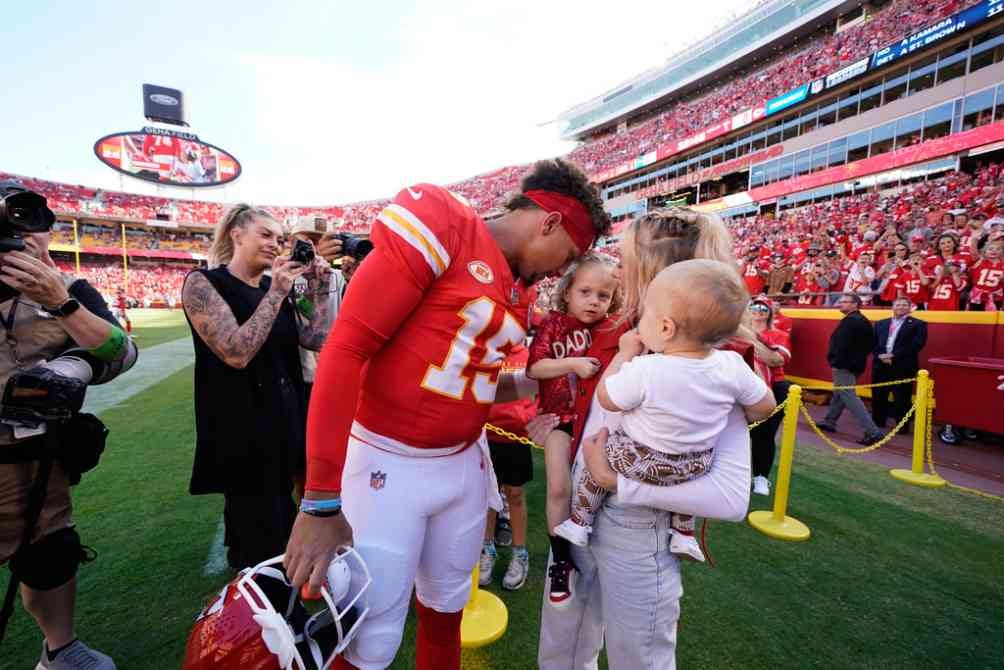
573, 532
686, 546
761, 485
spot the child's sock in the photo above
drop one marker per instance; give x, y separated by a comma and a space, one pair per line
520, 552
489, 548
561, 549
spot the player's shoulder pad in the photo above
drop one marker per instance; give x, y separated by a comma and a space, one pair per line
426, 219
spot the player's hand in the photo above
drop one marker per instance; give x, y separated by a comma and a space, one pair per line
284, 273
541, 426
594, 451
329, 247
312, 546
885, 358
630, 343
1000, 387
585, 366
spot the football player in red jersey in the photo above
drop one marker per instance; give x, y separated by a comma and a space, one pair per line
986, 276
402, 391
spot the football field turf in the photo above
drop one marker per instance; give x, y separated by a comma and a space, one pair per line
893, 577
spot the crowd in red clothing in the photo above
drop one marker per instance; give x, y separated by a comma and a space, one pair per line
148, 286
791, 67
939, 243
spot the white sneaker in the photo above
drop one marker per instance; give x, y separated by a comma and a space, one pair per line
761, 485
516, 573
77, 656
485, 568
686, 546
573, 532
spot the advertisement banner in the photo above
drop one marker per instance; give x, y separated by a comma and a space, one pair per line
947, 27
847, 73
917, 153
168, 157
785, 101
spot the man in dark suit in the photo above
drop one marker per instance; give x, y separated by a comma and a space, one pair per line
897, 356
850, 345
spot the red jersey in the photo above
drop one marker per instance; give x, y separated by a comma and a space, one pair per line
512, 416
440, 367
889, 292
963, 259
946, 295
987, 278
780, 342
560, 336
804, 285
908, 285
752, 275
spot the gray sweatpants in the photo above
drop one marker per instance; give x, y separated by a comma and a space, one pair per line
628, 590
849, 399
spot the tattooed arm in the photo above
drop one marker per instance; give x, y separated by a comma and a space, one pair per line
315, 330
212, 319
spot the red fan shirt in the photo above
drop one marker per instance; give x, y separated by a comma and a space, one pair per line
560, 336
753, 275
908, 284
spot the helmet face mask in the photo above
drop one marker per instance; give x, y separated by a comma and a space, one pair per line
259, 621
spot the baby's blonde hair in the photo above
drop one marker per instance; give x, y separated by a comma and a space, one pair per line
664, 237
706, 299
558, 301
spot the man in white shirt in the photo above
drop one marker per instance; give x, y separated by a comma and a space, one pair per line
898, 342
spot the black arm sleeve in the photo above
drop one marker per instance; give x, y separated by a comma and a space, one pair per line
88, 296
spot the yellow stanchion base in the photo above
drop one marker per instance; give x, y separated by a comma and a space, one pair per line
918, 478
485, 620
790, 529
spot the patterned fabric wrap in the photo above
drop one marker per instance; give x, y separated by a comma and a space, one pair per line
640, 463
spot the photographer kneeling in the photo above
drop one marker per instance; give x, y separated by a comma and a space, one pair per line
59, 336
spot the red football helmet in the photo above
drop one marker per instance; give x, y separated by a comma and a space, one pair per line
259, 622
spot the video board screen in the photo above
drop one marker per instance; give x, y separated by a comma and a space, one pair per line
166, 157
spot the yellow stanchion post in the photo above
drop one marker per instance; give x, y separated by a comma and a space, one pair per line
777, 523
485, 617
916, 475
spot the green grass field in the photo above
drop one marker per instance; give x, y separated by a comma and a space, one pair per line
893, 577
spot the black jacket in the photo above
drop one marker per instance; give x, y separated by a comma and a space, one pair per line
910, 339
851, 342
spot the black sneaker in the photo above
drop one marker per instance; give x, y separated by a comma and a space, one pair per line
503, 532
560, 584
826, 428
869, 440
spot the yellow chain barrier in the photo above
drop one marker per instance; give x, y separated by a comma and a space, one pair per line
864, 450
779, 408
860, 386
930, 454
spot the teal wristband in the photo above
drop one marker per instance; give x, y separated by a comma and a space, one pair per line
113, 347
328, 505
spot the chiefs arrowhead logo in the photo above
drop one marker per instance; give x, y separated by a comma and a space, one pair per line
480, 271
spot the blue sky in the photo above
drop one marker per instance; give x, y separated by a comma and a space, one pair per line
325, 102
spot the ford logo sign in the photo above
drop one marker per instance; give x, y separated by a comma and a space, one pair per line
162, 99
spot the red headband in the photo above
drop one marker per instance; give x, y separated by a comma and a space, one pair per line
575, 217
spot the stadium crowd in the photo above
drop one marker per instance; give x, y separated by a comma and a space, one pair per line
791, 67
933, 241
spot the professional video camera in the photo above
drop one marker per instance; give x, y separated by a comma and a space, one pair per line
21, 211
355, 247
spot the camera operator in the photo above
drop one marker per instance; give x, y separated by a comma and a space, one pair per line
59, 336
250, 407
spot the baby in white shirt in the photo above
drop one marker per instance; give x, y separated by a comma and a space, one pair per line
676, 400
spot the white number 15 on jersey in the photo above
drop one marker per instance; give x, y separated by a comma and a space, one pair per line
449, 379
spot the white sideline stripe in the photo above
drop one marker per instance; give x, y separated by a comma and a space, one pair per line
216, 561
154, 365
